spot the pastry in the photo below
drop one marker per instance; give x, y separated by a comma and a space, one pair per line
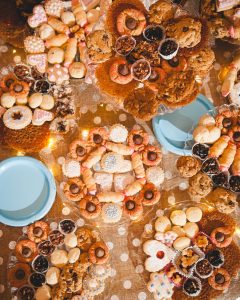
215, 257
133, 207
7, 81
89, 181
19, 88
38, 231
77, 70
141, 69
67, 226
155, 175
47, 102
52, 275
152, 156
113, 197
211, 166
125, 44
46, 31
176, 64
59, 258
85, 238
223, 200
120, 72
178, 217
118, 133
7, 100
168, 48
166, 238
46, 248
188, 166
26, 250
192, 287
138, 166
162, 224
98, 253
202, 61
194, 214
58, 74
40, 264
26, 292
191, 229
227, 157
149, 195
71, 168
98, 136
220, 279
222, 236
56, 237
203, 268
111, 212
206, 134
94, 157
73, 255
200, 185
35, 100
111, 162
90, 207
121, 181
55, 55
119, 148
160, 12
18, 274
147, 50
200, 150
79, 149
181, 243
104, 180
41, 116
160, 286
34, 44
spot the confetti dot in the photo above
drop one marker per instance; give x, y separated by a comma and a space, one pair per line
136, 242
113, 273
3, 48
136, 127
2, 288
159, 213
171, 200
122, 117
94, 109
168, 174
1, 233
24, 229
183, 186
97, 120
109, 107
114, 297
80, 222
148, 228
124, 257
83, 109
127, 284
12, 245
142, 296
4, 71
66, 211
110, 245
61, 160
121, 230
17, 59
1, 260
54, 225
139, 269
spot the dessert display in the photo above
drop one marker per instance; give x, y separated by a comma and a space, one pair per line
192, 254
158, 57
113, 172
59, 263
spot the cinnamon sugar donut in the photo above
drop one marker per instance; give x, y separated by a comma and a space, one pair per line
19, 88
7, 81
18, 274
79, 149
98, 136
138, 139
220, 279
74, 189
90, 207
222, 236
26, 250
152, 156
98, 253
132, 206
38, 231
149, 195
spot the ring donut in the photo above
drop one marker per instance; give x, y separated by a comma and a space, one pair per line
18, 274
74, 189
17, 117
152, 156
90, 207
98, 253
220, 279
138, 139
38, 231
222, 236
7, 81
149, 195
79, 149
132, 207
26, 250
19, 88
98, 136
120, 71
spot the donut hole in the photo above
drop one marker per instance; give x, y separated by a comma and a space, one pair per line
160, 254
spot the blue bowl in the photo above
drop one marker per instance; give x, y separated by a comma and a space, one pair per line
27, 190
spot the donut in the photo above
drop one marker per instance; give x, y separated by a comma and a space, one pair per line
18, 274
149, 195
6, 82
132, 206
17, 117
131, 22
120, 71
220, 279
222, 236
74, 189
90, 207
138, 139
26, 250
98, 253
38, 231
152, 156
97, 136
19, 88
79, 149
176, 64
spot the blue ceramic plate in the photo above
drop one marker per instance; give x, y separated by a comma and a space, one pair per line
173, 130
27, 190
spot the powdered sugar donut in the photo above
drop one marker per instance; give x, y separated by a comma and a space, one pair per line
34, 44
118, 133
17, 117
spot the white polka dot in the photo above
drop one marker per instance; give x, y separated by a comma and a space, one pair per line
142, 296
122, 117
12, 245
14, 298
110, 245
114, 297
66, 211
171, 200
124, 257
109, 107
4, 71
136, 127
136, 242
80, 222
84, 109
61, 160
2, 288
62, 185
217, 66
24, 229
159, 213
94, 109
53, 225
127, 284
1, 233
168, 174
183, 186
139, 269
1, 260
113, 273
121, 230
97, 120
17, 59
3, 48
148, 228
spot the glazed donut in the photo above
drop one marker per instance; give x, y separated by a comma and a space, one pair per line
7, 81
74, 189
131, 22
120, 72
225, 120
222, 236
149, 195
152, 156
220, 279
38, 231
98, 253
176, 64
90, 207
98, 136
138, 139
79, 149
133, 207
17, 117
26, 250
19, 88
18, 274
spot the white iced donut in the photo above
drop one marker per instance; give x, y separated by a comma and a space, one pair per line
17, 117
7, 100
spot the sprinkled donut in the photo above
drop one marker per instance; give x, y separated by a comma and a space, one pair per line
138, 139
17, 117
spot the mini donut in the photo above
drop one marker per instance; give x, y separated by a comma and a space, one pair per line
225, 120
26, 250
176, 64
18, 274
7, 81
79, 149
234, 135
38, 231
19, 88
220, 279
152, 156
156, 77
90, 207
98, 136
132, 206
98, 253
222, 236
149, 195
138, 139
74, 189
17, 117
131, 22
120, 71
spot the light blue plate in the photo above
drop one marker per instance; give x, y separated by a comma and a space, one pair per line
27, 190
173, 130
